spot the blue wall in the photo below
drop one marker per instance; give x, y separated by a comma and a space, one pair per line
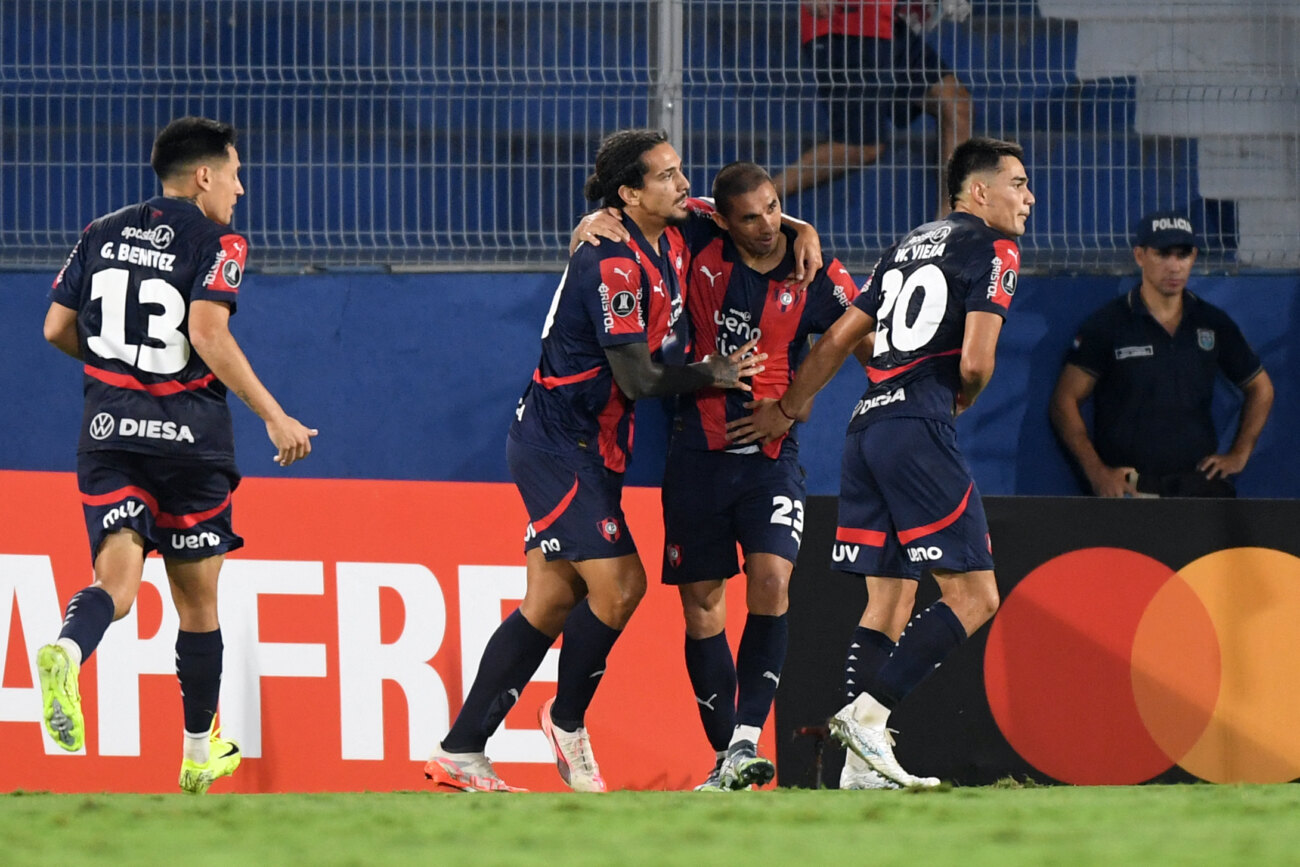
416, 377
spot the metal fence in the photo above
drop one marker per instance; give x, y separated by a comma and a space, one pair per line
451, 134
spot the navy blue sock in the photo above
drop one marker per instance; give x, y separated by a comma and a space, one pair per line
510, 659
587, 643
713, 679
758, 666
868, 652
925, 643
86, 619
198, 668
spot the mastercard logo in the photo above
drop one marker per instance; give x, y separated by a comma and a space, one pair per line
1105, 666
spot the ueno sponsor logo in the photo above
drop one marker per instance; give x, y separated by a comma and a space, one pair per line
195, 540
924, 554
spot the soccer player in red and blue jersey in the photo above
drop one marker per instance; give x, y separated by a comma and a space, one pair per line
144, 301
616, 332
934, 307
718, 494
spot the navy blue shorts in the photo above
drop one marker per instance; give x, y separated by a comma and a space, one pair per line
866, 81
715, 500
181, 508
908, 503
574, 504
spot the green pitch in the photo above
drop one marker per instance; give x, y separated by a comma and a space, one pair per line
1200, 824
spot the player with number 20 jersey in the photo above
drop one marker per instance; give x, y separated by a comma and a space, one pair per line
908, 504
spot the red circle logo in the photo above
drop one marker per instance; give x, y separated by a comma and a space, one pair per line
1105, 666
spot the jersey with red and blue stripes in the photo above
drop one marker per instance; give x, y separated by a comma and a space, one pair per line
730, 304
919, 294
611, 295
131, 278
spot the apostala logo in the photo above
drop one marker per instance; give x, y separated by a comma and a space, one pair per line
101, 426
159, 236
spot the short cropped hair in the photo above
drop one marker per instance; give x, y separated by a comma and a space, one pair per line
976, 155
187, 141
734, 180
619, 163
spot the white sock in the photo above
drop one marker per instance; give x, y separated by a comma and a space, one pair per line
745, 733
196, 747
73, 649
870, 712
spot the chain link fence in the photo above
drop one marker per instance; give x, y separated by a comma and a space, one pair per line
442, 134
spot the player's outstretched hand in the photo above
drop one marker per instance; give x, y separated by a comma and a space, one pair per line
766, 424
729, 371
291, 437
601, 223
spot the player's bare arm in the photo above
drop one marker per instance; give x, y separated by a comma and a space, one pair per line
978, 354
61, 329
1072, 389
865, 349
211, 338
1258, 400
772, 418
640, 376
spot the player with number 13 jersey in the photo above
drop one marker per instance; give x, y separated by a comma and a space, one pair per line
132, 277
144, 303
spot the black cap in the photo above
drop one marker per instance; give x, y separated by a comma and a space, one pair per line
1164, 229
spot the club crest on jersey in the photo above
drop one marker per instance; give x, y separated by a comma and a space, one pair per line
1205, 338
610, 529
674, 553
787, 296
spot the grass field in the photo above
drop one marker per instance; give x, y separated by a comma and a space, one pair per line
1192, 824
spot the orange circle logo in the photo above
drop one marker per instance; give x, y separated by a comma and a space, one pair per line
1105, 666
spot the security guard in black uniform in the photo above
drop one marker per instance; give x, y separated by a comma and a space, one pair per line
1149, 360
